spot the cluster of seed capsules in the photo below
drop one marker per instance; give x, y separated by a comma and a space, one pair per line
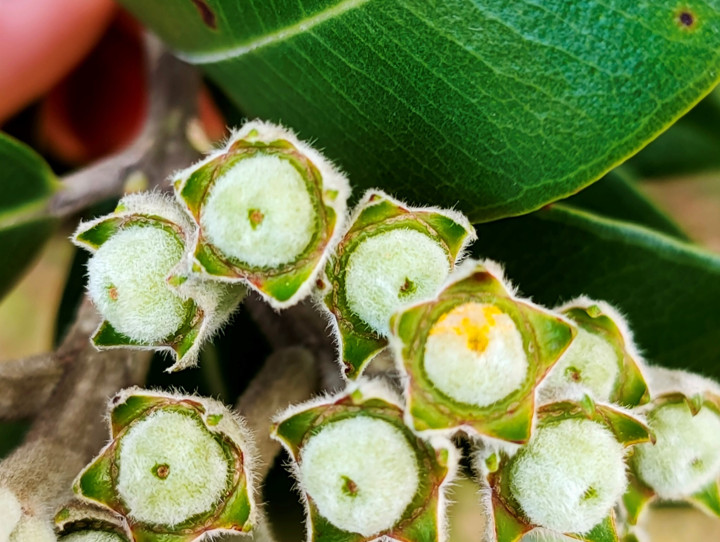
573, 434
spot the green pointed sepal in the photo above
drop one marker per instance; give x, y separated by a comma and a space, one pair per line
235, 513
288, 283
636, 499
378, 213
83, 517
424, 519
545, 337
627, 428
708, 498
182, 345
630, 389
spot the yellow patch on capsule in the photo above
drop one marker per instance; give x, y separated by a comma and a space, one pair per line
472, 321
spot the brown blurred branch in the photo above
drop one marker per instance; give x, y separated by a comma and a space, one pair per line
289, 376
161, 148
71, 427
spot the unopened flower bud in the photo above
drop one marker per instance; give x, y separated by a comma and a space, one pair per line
268, 208
364, 474
602, 358
175, 465
474, 355
683, 463
391, 255
568, 478
137, 252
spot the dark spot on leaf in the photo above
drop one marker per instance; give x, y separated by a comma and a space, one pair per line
208, 16
686, 18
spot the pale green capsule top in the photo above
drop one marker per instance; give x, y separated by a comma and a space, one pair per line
686, 454
260, 212
361, 473
392, 269
170, 468
570, 475
590, 361
126, 281
474, 354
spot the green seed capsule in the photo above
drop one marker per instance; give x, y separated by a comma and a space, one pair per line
365, 475
176, 465
391, 256
474, 355
137, 279
268, 208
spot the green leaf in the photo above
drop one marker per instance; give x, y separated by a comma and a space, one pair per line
669, 290
27, 184
499, 107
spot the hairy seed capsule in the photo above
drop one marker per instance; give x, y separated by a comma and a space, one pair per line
390, 256
176, 465
569, 476
685, 455
139, 280
357, 484
126, 281
268, 208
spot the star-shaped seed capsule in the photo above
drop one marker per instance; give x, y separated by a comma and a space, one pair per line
177, 467
137, 282
391, 255
363, 474
268, 208
568, 478
602, 359
473, 356
683, 464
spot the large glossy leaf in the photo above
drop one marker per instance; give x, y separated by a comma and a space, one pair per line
497, 106
26, 185
670, 290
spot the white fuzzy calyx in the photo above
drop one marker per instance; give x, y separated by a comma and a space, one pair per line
260, 212
543, 535
170, 468
10, 513
569, 476
591, 362
92, 536
391, 269
685, 455
361, 473
474, 354
31, 529
127, 283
